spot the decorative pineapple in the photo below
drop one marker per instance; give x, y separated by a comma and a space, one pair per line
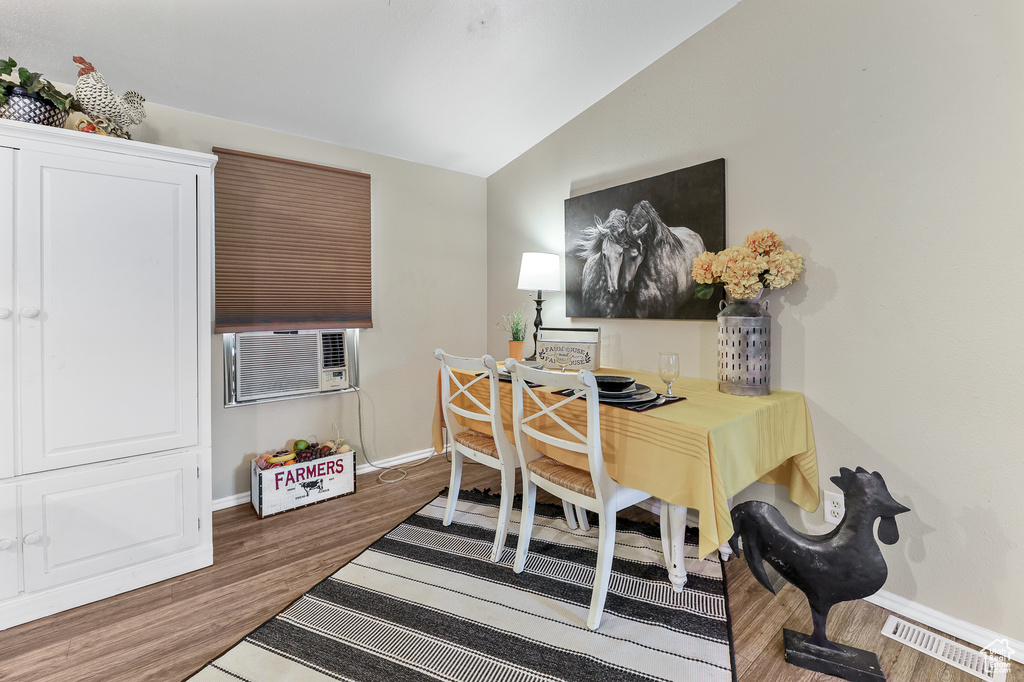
100, 102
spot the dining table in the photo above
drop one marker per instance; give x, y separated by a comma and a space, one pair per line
695, 453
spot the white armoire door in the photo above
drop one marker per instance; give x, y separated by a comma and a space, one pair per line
87, 523
7, 313
9, 541
107, 321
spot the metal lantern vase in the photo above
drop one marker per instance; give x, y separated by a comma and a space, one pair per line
30, 108
744, 346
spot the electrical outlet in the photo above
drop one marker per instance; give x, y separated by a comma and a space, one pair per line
835, 507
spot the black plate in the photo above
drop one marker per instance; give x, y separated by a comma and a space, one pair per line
637, 389
613, 383
632, 400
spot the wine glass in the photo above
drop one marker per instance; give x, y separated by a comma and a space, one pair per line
668, 370
563, 358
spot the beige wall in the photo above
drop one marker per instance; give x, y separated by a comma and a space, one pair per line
422, 298
884, 141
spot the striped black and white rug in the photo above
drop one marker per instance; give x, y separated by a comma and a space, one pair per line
425, 603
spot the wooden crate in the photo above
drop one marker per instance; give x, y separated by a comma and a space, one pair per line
297, 485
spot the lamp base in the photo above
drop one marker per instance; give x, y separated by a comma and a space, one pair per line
537, 323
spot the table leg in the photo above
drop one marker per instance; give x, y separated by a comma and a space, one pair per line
725, 551
673, 543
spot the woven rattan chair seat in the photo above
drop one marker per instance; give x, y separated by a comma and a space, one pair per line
474, 440
577, 480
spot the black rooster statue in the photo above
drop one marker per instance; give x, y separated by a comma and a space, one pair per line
839, 566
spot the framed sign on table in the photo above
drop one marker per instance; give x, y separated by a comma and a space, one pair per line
581, 345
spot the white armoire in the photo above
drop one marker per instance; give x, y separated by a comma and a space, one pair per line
105, 325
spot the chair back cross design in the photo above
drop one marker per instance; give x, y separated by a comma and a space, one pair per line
485, 412
581, 443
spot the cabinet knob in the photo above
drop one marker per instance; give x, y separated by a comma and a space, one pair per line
31, 539
30, 312
5, 543
5, 313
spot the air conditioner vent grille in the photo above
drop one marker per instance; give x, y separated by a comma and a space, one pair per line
265, 365
276, 364
333, 349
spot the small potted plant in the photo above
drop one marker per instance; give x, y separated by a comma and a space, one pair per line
31, 98
514, 324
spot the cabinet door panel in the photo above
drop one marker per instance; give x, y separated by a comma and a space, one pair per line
92, 522
107, 255
9, 536
7, 313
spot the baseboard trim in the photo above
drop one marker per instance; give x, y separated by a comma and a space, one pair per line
394, 461
961, 629
246, 498
233, 501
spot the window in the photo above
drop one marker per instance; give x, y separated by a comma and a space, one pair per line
292, 245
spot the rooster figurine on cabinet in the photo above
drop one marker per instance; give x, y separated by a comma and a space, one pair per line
840, 566
109, 111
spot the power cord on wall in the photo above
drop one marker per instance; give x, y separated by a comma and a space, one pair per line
400, 470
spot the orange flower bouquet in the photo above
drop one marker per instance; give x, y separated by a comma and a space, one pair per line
746, 270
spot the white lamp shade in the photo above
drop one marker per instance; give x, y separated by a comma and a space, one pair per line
540, 272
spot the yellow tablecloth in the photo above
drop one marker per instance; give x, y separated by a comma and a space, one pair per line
697, 452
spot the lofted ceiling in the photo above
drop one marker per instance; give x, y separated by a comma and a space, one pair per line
466, 85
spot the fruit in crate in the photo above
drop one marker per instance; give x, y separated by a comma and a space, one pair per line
282, 458
300, 455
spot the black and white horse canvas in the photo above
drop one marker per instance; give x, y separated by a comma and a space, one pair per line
629, 249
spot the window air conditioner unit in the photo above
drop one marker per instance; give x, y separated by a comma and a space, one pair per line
261, 366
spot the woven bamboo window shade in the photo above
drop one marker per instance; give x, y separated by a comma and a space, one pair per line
292, 245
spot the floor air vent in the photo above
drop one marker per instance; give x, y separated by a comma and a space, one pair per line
977, 663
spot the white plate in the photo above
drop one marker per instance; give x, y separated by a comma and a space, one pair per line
524, 364
504, 375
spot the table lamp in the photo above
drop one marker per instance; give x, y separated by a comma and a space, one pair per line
539, 272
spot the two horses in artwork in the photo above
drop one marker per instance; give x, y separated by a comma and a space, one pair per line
636, 266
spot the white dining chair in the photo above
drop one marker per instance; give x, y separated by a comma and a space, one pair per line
593, 490
495, 452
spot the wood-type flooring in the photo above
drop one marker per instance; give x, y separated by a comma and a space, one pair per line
167, 631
